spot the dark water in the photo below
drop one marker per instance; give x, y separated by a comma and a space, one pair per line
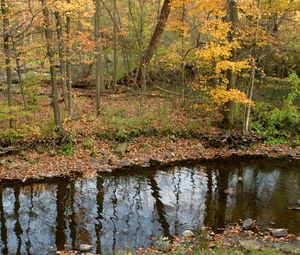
121, 211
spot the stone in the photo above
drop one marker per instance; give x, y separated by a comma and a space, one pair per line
298, 202
247, 223
125, 163
292, 154
233, 240
173, 138
240, 179
288, 248
85, 247
250, 244
279, 232
162, 245
188, 233
276, 149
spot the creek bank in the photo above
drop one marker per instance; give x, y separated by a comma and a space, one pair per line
235, 237
106, 156
231, 239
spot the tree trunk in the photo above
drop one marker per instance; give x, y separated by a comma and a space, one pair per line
115, 71
159, 29
68, 66
249, 96
6, 36
124, 47
252, 76
232, 76
99, 53
62, 56
19, 75
50, 52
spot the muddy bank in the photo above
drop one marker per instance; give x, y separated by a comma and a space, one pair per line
109, 155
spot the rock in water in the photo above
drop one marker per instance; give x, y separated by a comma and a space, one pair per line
85, 247
247, 223
298, 202
188, 233
280, 232
240, 179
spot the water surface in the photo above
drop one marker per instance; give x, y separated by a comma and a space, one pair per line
123, 211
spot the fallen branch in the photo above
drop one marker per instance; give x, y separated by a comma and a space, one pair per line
8, 150
168, 91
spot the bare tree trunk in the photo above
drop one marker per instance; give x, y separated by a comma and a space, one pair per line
68, 67
232, 76
99, 53
142, 83
19, 75
146, 58
6, 36
249, 96
124, 47
62, 56
252, 76
50, 51
115, 71
183, 57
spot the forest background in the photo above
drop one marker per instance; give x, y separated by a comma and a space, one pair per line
78, 71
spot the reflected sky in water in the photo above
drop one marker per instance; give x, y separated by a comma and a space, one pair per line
122, 211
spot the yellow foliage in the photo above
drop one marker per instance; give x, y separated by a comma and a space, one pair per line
221, 95
235, 67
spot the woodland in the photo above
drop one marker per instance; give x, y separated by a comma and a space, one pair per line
89, 88
109, 79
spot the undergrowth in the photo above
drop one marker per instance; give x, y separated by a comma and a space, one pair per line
280, 125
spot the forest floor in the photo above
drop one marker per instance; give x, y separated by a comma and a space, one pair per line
131, 131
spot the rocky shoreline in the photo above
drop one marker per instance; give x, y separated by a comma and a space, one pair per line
246, 236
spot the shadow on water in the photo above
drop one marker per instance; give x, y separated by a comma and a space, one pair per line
123, 210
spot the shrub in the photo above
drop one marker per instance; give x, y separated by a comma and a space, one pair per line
279, 123
67, 149
89, 143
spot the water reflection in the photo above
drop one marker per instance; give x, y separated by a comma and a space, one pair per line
122, 211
